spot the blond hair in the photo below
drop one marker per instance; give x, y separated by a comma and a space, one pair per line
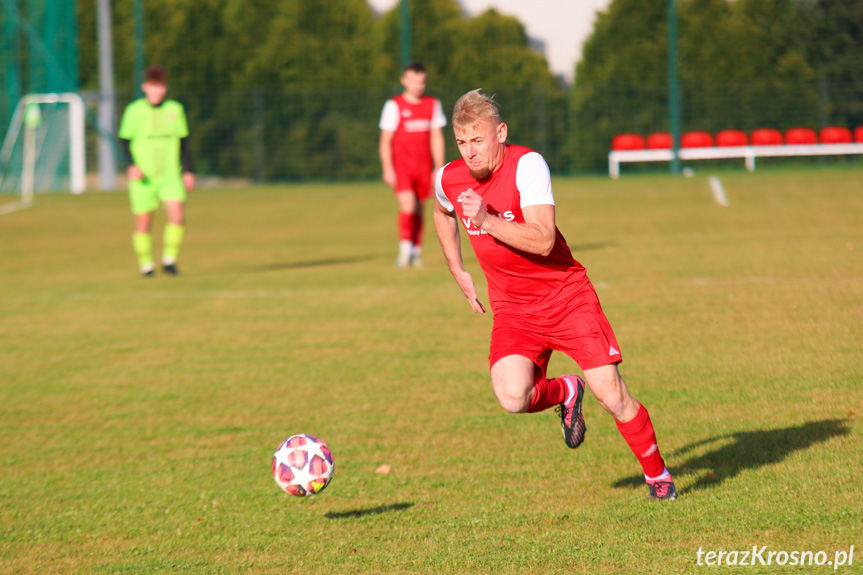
473, 108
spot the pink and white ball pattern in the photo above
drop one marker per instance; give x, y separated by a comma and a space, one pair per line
303, 465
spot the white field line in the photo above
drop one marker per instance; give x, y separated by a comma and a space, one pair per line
718, 191
14, 207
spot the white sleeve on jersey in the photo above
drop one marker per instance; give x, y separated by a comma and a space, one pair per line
438, 191
438, 119
533, 180
390, 117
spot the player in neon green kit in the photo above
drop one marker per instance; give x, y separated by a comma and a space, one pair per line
153, 134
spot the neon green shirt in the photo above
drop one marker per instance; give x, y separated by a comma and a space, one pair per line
155, 133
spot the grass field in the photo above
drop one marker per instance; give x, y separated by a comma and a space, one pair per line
138, 417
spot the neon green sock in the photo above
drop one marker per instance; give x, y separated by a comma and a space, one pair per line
172, 240
142, 244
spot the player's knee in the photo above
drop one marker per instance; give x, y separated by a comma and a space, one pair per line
512, 401
512, 404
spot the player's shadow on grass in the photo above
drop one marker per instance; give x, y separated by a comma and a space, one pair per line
575, 248
313, 263
369, 511
745, 450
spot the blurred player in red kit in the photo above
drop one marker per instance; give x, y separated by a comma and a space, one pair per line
541, 296
411, 150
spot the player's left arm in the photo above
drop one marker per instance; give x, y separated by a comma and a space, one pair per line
185, 151
538, 232
437, 148
535, 236
436, 137
186, 163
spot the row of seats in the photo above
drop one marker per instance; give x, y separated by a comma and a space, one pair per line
730, 138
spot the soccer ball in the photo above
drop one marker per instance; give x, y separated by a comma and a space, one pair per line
303, 465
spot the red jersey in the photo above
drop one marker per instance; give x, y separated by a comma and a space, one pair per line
518, 281
412, 125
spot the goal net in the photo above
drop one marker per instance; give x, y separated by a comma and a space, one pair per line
44, 148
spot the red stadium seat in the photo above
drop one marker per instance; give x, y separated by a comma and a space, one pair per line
858, 135
730, 138
766, 137
800, 136
835, 135
627, 142
659, 141
696, 140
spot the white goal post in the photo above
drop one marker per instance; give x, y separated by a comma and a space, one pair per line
36, 143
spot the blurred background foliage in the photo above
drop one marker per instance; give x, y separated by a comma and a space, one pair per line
292, 89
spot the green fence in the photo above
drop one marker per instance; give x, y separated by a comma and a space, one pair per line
284, 90
300, 134
38, 50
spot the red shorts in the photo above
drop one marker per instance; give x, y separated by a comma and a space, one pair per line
418, 181
578, 328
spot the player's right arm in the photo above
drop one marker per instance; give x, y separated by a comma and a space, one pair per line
133, 172
385, 149
127, 132
389, 123
446, 227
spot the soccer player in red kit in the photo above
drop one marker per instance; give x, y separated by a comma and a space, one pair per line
411, 150
541, 296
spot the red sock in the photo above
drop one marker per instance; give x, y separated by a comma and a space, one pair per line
417, 236
641, 437
406, 226
547, 393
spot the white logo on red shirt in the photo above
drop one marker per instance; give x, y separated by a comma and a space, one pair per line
508, 216
418, 125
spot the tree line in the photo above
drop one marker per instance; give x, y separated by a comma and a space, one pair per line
292, 89
743, 65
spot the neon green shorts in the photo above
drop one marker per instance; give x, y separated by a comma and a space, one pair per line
146, 195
